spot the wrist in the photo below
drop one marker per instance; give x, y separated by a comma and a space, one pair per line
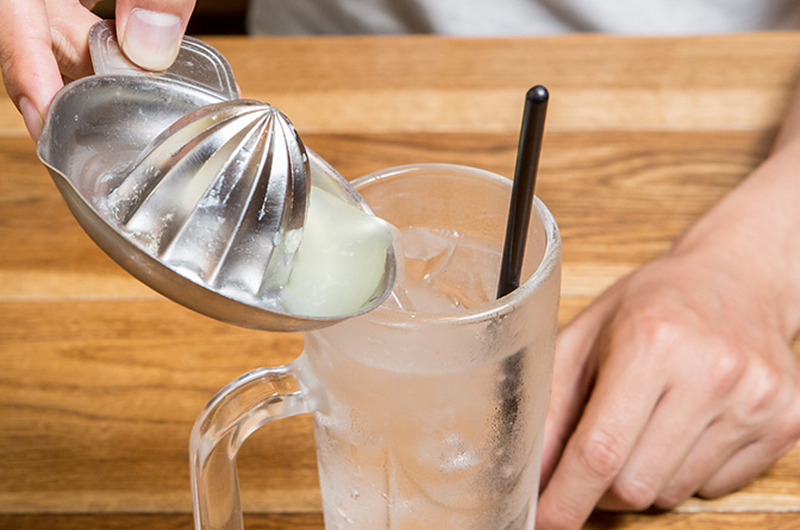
753, 236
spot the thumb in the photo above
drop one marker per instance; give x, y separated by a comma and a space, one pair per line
150, 31
29, 69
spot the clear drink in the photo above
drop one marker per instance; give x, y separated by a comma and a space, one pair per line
428, 411
434, 407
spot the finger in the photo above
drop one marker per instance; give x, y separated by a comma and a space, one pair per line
717, 445
573, 373
696, 397
70, 23
769, 427
675, 427
150, 31
742, 467
759, 422
30, 71
620, 406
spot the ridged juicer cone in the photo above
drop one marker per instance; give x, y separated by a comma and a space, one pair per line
219, 196
199, 195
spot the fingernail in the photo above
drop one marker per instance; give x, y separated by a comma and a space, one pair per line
152, 39
33, 120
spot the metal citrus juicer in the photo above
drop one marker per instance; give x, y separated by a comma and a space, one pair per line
199, 194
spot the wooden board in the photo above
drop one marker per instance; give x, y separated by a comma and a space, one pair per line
101, 378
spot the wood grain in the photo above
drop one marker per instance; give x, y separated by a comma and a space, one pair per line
101, 378
661, 521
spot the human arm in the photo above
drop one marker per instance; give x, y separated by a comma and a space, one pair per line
680, 379
43, 40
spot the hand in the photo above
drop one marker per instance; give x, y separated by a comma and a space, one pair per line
680, 380
41, 40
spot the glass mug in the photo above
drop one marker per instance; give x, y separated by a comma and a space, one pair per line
422, 419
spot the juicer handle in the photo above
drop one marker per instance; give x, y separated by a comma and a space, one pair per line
233, 414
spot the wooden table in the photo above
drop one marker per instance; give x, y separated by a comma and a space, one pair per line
101, 378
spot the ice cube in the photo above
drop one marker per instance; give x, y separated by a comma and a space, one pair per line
446, 271
427, 253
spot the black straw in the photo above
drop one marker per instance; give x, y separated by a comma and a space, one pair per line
519, 212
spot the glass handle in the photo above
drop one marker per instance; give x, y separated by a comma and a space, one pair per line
238, 410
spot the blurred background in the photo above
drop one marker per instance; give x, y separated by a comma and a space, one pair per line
211, 17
